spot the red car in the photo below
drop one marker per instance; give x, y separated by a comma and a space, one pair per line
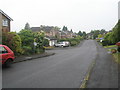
6, 55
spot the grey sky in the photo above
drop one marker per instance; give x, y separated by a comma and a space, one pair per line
84, 15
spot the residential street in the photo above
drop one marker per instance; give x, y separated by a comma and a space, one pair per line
66, 69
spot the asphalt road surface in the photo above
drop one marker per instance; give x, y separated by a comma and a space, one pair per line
66, 69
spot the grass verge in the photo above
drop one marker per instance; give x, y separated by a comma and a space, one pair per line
117, 57
110, 46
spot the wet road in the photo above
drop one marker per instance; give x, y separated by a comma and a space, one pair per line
65, 69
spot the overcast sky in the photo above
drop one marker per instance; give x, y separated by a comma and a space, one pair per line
84, 15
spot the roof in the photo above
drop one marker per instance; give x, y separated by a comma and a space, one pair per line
46, 28
6, 15
35, 29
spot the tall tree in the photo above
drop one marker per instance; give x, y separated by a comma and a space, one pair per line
27, 26
65, 28
80, 33
71, 30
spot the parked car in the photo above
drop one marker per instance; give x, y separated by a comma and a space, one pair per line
6, 55
62, 44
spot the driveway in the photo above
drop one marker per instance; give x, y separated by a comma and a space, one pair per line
66, 69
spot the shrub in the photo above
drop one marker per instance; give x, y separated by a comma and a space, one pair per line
27, 50
73, 43
26, 37
45, 42
13, 41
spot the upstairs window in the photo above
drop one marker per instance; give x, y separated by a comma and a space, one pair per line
5, 22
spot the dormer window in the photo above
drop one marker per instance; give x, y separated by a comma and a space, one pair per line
5, 22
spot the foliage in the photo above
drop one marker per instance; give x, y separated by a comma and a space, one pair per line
65, 28
39, 39
13, 41
27, 26
26, 37
113, 36
82, 34
117, 57
100, 36
73, 41
96, 33
27, 50
46, 42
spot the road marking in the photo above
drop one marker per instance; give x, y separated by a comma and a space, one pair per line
83, 85
84, 82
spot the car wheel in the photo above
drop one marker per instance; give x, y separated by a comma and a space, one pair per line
62, 46
8, 62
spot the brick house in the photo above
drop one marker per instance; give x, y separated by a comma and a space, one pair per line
4, 22
49, 31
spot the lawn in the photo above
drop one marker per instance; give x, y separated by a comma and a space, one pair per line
110, 46
117, 57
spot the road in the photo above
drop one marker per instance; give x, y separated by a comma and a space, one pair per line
66, 69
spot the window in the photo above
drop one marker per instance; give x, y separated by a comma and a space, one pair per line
5, 22
3, 50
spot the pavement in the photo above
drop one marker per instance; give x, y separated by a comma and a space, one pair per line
31, 57
105, 71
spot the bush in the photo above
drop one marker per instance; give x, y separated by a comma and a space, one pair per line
13, 41
73, 43
27, 50
26, 37
45, 42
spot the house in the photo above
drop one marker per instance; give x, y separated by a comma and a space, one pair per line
67, 34
51, 40
4, 22
49, 31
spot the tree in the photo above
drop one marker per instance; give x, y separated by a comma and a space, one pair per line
65, 28
46, 42
102, 31
39, 39
80, 33
27, 26
100, 36
26, 37
71, 30
84, 34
